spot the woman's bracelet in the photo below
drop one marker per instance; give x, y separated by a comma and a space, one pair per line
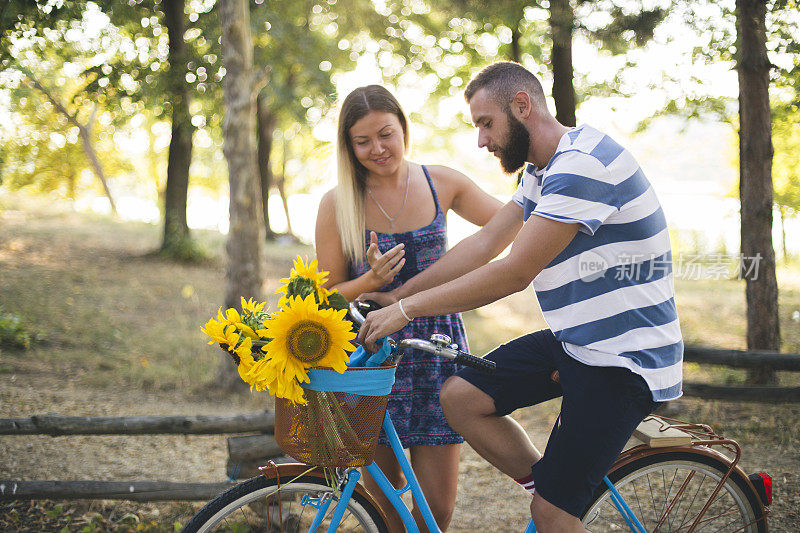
403, 311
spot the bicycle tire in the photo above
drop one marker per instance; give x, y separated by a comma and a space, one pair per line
649, 484
253, 506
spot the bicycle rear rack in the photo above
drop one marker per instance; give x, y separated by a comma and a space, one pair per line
704, 438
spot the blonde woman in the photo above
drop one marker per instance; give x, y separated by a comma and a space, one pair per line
383, 224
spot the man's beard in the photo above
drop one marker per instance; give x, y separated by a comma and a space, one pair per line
514, 153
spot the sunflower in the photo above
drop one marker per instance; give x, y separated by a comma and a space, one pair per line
221, 331
246, 360
252, 306
303, 336
239, 322
304, 280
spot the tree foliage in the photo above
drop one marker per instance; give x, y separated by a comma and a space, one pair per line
44, 153
786, 164
66, 79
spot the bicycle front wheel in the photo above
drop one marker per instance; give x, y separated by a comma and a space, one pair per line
667, 491
257, 505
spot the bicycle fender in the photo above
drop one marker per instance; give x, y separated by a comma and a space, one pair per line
288, 471
643, 450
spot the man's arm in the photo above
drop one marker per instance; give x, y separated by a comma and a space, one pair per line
539, 241
469, 254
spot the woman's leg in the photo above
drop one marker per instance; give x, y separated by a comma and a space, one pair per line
387, 462
436, 468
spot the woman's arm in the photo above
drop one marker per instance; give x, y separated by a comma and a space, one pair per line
459, 193
330, 256
463, 196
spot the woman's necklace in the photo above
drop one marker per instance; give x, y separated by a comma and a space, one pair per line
405, 197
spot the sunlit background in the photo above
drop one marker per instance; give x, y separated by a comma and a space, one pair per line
97, 319
692, 162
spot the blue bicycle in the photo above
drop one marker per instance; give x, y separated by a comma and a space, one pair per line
653, 487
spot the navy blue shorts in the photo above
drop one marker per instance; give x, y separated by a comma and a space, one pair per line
601, 407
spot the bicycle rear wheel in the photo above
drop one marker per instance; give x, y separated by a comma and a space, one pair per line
257, 505
666, 491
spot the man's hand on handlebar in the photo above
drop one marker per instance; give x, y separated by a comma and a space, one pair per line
388, 322
379, 324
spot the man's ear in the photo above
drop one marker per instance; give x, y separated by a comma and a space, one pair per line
521, 105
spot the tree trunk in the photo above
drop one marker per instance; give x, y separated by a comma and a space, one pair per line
85, 135
266, 123
280, 183
85, 132
176, 230
281, 186
783, 234
246, 235
755, 189
516, 51
562, 22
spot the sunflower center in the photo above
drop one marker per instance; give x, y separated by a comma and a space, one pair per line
308, 341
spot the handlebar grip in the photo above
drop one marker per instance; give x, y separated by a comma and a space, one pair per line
484, 365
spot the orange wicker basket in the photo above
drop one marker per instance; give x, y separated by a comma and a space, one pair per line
336, 427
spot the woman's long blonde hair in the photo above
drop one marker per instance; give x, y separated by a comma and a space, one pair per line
352, 175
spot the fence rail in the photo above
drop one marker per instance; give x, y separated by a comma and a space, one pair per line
244, 451
742, 393
143, 491
742, 358
56, 425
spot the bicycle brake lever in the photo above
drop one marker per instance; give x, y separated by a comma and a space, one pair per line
397, 354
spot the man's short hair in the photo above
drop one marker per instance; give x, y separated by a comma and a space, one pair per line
503, 80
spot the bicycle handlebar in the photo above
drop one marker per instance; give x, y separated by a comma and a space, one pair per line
438, 344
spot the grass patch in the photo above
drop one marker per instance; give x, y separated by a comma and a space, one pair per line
15, 333
113, 311
713, 312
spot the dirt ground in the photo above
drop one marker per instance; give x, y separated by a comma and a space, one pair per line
487, 501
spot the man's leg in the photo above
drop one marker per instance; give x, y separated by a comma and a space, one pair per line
600, 409
498, 439
550, 519
476, 403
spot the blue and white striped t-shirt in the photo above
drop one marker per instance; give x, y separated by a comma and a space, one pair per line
609, 295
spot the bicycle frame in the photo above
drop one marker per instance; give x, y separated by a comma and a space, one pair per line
412, 484
393, 494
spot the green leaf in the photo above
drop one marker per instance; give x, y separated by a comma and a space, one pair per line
129, 518
55, 512
337, 301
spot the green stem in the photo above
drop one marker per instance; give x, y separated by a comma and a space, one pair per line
349, 432
332, 427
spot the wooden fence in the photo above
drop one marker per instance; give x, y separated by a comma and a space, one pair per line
742, 359
245, 453
57, 425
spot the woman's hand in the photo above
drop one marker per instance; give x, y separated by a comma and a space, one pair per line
384, 299
384, 266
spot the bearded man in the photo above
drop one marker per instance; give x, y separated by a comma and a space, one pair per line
589, 232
